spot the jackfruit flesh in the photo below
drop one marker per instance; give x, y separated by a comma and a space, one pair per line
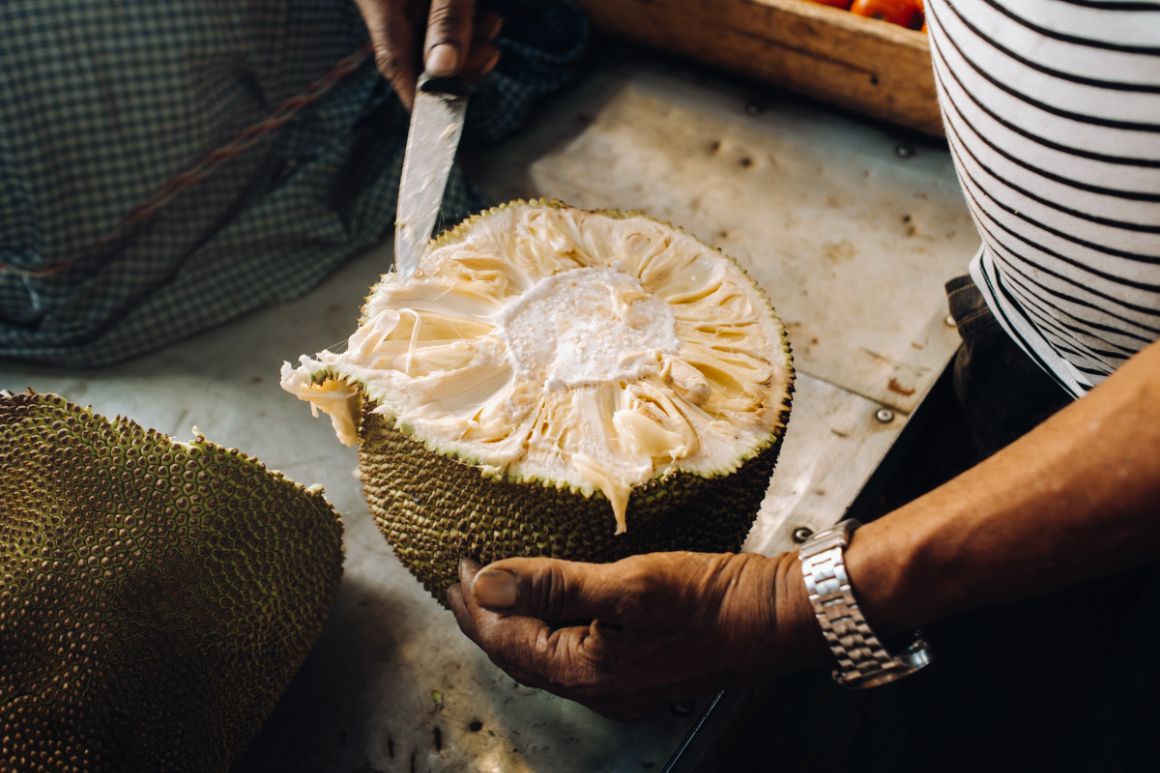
594, 351
156, 597
585, 385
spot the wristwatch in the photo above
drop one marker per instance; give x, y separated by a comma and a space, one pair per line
863, 661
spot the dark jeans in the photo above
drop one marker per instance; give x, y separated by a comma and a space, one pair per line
1002, 392
1066, 682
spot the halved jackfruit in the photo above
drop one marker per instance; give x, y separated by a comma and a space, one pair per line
551, 378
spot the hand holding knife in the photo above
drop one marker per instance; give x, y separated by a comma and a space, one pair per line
457, 50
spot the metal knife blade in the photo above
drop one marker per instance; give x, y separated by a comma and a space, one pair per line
436, 124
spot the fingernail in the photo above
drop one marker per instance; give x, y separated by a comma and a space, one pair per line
443, 59
495, 588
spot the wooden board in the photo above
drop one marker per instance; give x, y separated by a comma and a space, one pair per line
862, 64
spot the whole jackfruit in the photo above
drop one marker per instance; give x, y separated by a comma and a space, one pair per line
584, 385
156, 597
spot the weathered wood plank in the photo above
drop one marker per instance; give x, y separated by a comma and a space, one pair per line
862, 64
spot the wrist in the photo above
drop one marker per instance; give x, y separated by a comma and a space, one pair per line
863, 656
884, 563
797, 641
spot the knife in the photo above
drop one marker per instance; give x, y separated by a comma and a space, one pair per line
436, 125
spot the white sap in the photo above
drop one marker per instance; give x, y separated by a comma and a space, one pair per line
587, 326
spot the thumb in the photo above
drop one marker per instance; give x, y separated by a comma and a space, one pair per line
547, 589
448, 36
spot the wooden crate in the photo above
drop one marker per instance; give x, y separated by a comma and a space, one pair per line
862, 64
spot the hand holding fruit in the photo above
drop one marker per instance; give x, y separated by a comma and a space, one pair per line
626, 636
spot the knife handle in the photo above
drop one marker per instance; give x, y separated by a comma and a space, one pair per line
444, 87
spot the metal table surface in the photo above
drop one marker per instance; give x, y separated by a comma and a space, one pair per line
852, 230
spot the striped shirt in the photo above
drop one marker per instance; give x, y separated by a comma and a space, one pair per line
1052, 112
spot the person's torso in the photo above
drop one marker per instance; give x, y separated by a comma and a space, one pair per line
1052, 112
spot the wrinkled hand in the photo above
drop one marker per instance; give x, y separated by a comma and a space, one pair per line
457, 41
624, 637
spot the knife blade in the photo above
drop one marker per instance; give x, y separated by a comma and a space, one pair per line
436, 125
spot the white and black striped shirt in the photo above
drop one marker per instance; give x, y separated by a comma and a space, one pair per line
1052, 111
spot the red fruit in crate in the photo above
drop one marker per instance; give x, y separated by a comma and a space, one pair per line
908, 13
843, 4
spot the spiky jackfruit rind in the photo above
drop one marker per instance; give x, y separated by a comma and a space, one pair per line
435, 509
156, 597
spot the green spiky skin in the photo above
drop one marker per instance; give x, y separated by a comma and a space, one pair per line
434, 509
155, 598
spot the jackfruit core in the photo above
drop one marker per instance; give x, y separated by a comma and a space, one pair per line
587, 350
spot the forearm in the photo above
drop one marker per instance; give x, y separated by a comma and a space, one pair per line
1076, 498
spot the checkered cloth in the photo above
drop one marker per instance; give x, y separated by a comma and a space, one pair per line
101, 103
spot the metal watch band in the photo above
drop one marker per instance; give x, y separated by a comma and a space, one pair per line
863, 661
